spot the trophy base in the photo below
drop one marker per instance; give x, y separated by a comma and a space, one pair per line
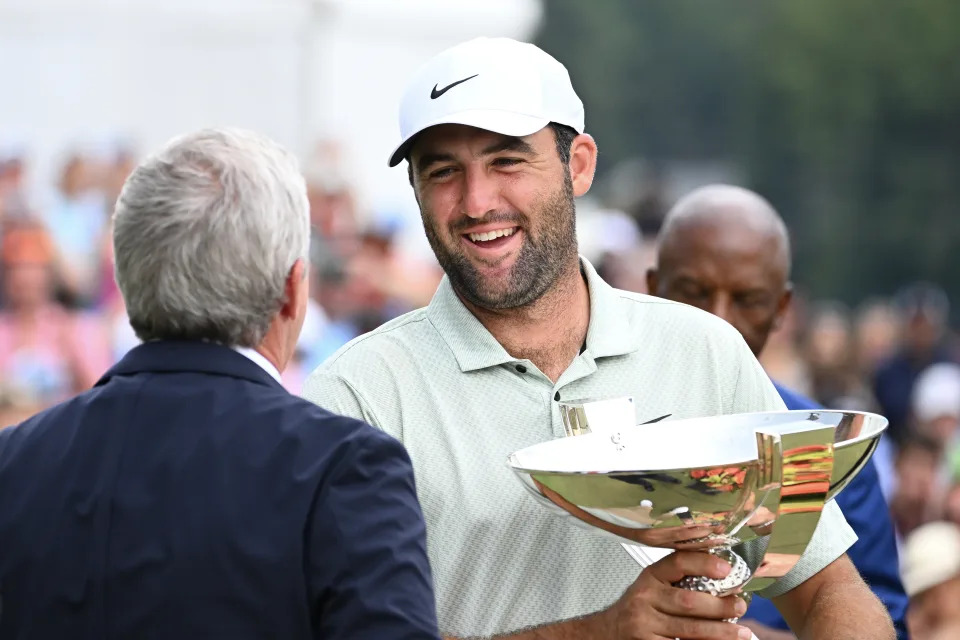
738, 576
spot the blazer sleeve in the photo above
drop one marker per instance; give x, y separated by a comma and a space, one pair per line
367, 565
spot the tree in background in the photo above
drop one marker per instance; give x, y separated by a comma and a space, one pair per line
845, 114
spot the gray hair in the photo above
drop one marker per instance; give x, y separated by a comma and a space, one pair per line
205, 233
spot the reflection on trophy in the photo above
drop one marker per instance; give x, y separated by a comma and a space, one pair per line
704, 484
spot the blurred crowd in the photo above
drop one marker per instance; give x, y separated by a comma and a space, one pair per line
62, 321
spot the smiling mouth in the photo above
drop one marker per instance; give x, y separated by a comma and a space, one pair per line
490, 239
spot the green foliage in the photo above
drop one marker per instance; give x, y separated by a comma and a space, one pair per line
845, 114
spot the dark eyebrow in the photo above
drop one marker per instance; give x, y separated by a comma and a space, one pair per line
431, 158
509, 143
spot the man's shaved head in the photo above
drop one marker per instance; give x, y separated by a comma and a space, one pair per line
732, 212
725, 249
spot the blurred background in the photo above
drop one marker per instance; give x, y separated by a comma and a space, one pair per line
845, 115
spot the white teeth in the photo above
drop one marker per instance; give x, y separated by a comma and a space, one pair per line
491, 235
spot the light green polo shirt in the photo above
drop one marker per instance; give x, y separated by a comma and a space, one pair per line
437, 380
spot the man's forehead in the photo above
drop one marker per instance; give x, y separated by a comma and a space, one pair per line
731, 257
719, 240
446, 138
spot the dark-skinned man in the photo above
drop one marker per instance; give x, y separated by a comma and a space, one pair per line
725, 250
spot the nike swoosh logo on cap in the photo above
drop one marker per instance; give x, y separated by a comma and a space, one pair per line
434, 94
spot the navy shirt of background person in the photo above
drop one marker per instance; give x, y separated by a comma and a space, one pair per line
865, 509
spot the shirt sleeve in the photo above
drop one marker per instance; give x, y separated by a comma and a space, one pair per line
369, 575
875, 553
331, 392
831, 540
754, 391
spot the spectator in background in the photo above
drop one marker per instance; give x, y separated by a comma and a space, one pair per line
13, 198
726, 250
951, 502
115, 172
924, 309
394, 283
77, 219
877, 331
47, 353
650, 206
917, 493
782, 357
931, 575
925, 463
334, 218
935, 408
834, 378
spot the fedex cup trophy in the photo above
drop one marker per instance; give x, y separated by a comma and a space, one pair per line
703, 484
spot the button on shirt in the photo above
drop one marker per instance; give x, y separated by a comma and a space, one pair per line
437, 380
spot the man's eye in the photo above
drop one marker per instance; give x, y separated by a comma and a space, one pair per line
691, 293
752, 302
440, 173
507, 162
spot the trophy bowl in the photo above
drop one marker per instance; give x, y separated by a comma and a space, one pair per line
703, 483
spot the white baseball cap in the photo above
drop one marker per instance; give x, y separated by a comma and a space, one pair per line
936, 392
498, 84
931, 556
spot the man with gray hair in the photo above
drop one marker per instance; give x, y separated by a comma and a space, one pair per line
188, 494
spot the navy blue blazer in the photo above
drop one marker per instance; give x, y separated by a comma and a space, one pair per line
188, 495
875, 552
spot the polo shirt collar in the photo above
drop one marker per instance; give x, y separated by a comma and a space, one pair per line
475, 348
472, 345
610, 332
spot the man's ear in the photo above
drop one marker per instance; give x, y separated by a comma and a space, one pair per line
653, 281
294, 290
583, 163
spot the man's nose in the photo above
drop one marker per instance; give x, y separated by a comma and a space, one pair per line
722, 307
481, 193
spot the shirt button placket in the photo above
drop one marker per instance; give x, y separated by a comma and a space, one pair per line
556, 421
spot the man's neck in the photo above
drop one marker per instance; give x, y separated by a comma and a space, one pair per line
550, 331
271, 348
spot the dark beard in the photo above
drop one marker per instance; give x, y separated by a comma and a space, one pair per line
541, 260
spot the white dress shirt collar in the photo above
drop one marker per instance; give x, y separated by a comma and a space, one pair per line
260, 360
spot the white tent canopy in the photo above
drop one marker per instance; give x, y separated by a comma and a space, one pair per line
88, 72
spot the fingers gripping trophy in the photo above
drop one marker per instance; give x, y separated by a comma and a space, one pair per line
705, 484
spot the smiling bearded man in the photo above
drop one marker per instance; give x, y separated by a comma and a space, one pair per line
494, 136
541, 258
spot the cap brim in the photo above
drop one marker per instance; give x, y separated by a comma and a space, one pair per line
502, 122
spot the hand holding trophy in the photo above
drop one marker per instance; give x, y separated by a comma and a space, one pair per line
705, 484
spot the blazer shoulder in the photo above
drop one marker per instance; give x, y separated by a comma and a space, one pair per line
302, 414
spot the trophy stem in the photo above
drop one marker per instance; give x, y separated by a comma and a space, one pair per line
739, 575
